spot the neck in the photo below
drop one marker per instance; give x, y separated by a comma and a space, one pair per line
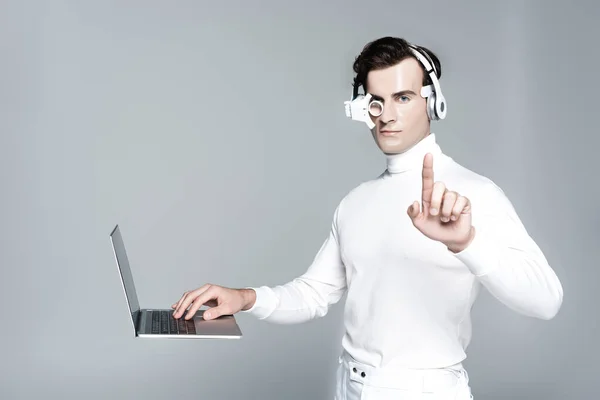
413, 157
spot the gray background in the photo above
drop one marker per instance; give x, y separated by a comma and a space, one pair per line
215, 135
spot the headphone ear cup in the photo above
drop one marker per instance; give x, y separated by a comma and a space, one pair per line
431, 107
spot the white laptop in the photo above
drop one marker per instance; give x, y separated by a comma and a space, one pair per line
159, 323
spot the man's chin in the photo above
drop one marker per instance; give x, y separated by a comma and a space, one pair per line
397, 146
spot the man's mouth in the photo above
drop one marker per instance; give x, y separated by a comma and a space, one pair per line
388, 132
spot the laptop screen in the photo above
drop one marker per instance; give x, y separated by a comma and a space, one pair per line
126, 277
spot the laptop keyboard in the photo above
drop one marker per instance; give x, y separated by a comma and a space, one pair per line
163, 323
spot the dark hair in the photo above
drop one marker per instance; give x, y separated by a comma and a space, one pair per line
387, 52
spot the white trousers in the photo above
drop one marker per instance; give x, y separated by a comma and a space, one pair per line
356, 381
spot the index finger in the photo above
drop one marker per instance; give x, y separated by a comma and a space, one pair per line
427, 178
209, 295
203, 298
187, 299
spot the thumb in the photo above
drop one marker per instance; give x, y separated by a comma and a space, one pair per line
413, 210
214, 312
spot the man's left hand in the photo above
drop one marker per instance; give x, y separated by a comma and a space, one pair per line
444, 215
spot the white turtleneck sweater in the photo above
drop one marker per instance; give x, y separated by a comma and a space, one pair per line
408, 297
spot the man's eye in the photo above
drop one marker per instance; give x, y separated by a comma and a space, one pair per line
403, 99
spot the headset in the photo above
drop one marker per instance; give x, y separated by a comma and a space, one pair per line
360, 106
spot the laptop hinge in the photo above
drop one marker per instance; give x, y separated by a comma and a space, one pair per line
138, 322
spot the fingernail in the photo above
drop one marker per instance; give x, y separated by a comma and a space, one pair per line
207, 314
453, 218
433, 211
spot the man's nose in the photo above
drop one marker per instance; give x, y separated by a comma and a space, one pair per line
389, 113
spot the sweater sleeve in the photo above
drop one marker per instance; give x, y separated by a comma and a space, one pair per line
508, 262
310, 295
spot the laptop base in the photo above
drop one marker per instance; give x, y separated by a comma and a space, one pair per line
160, 324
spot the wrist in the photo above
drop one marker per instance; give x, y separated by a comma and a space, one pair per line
457, 247
249, 296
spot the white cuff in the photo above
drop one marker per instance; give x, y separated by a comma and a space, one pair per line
265, 303
482, 254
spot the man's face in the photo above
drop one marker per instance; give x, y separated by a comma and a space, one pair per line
404, 121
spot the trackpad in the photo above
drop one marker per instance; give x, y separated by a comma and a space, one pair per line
223, 325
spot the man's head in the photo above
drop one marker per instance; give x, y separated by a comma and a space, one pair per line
389, 71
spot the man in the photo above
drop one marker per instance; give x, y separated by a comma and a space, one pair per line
411, 270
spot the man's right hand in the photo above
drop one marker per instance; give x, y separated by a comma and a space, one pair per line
224, 301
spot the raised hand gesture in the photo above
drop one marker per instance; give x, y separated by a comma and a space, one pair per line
443, 215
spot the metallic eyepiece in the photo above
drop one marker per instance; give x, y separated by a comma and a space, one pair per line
375, 108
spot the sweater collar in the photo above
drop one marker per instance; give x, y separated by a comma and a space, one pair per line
413, 157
